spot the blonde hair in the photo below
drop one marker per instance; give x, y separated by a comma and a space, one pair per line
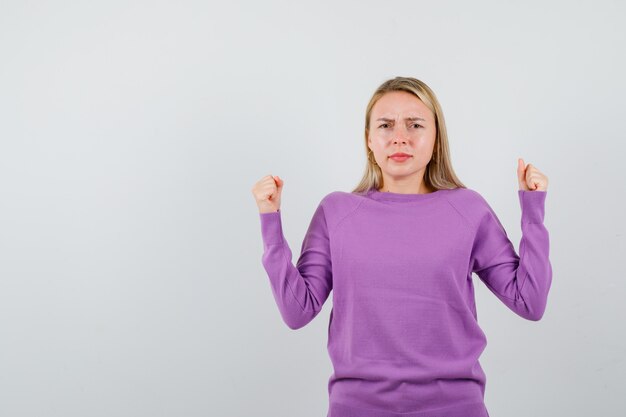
439, 173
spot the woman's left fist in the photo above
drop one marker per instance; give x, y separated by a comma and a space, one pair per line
530, 178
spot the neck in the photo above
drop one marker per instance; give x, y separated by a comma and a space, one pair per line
423, 189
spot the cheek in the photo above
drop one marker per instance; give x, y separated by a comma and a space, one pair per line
378, 141
378, 136
428, 136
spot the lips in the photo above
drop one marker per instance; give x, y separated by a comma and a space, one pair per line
400, 154
400, 157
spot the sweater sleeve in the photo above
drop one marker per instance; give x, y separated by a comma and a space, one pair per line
521, 282
300, 290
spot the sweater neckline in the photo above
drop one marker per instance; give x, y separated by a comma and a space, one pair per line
402, 197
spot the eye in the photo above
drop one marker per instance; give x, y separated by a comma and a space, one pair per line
415, 124
384, 124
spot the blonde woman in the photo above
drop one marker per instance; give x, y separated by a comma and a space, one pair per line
399, 252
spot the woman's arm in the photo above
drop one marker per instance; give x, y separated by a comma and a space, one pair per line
521, 282
301, 290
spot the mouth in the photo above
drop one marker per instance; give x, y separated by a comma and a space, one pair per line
400, 157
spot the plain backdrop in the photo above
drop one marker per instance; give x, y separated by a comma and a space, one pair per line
132, 132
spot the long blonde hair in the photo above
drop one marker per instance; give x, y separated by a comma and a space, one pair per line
439, 173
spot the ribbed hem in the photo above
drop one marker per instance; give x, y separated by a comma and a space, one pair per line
271, 228
462, 410
533, 205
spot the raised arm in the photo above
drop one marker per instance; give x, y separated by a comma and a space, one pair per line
521, 282
301, 290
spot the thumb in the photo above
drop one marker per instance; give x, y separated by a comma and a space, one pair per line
521, 174
279, 182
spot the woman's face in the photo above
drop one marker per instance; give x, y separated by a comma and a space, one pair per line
400, 122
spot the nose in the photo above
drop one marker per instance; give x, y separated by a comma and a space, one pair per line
400, 136
399, 139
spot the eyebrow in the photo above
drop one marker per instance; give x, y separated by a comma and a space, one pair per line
384, 119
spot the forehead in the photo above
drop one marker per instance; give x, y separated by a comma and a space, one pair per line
400, 104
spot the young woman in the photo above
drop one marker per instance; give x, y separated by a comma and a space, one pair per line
399, 252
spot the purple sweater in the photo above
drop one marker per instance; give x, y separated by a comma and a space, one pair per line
403, 335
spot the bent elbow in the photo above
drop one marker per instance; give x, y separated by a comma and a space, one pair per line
295, 322
535, 316
295, 325
535, 313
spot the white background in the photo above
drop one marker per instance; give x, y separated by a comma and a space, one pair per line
132, 132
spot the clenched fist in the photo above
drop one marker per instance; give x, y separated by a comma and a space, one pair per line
530, 178
267, 193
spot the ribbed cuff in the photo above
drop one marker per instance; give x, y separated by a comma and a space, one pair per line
533, 205
271, 228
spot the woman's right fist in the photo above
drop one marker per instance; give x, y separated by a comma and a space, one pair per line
267, 193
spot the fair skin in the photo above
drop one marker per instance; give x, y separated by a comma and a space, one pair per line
401, 122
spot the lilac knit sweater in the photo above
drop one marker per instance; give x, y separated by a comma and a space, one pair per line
403, 335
